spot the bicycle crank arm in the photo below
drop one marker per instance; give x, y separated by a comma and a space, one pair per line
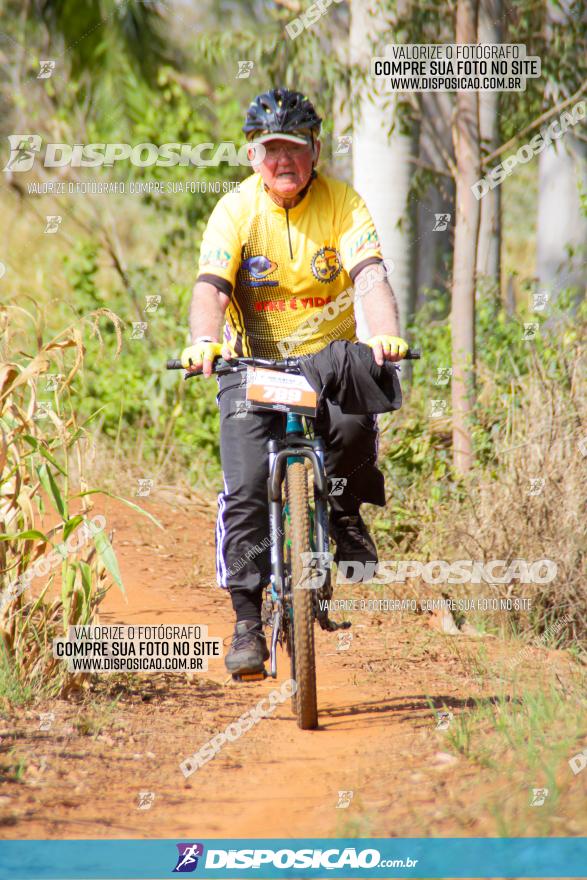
331, 625
274, 639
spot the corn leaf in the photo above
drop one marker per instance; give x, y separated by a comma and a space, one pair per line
108, 557
52, 489
71, 525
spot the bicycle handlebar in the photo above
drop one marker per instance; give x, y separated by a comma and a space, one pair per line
290, 364
220, 363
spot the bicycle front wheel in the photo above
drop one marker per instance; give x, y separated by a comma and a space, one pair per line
302, 598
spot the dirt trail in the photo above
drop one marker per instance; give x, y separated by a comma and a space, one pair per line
377, 736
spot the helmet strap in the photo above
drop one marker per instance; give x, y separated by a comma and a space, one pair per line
313, 150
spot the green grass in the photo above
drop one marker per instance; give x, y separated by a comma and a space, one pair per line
12, 688
14, 769
526, 740
353, 824
98, 717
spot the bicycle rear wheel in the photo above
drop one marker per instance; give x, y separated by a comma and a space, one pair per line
302, 598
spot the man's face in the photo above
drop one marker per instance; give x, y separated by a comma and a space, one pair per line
287, 167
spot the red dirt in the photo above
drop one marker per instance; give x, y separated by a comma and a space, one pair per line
377, 735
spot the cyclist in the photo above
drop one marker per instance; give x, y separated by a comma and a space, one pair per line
273, 256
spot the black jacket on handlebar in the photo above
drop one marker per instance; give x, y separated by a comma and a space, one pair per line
346, 374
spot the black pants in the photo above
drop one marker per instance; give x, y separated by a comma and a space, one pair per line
242, 528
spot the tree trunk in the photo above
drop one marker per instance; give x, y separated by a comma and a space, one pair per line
561, 238
341, 162
342, 146
466, 144
489, 246
381, 166
435, 233
561, 225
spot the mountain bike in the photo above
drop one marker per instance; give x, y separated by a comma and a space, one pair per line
300, 586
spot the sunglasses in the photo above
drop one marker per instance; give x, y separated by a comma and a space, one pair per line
273, 149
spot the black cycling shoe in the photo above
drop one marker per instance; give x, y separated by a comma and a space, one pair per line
248, 651
353, 541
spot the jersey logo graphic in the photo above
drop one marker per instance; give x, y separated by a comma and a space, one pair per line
259, 267
215, 257
367, 240
326, 264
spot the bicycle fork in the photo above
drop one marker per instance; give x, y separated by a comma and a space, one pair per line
296, 447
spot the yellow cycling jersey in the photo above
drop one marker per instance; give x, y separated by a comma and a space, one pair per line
288, 271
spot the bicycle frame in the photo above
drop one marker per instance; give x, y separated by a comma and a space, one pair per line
282, 453
293, 449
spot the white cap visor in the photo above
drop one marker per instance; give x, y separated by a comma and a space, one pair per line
282, 136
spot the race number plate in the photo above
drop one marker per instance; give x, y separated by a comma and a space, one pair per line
287, 392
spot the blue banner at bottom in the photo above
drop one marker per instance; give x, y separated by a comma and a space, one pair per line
302, 857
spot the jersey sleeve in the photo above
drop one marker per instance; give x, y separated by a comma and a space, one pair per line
358, 241
220, 250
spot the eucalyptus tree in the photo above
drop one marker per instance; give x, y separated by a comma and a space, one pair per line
490, 30
468, 167
382, 147
562, 182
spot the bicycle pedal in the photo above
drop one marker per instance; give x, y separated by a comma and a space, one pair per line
249, 676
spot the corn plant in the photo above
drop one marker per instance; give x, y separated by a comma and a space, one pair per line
56, 564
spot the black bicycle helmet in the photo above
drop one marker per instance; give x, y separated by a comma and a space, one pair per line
281, 110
